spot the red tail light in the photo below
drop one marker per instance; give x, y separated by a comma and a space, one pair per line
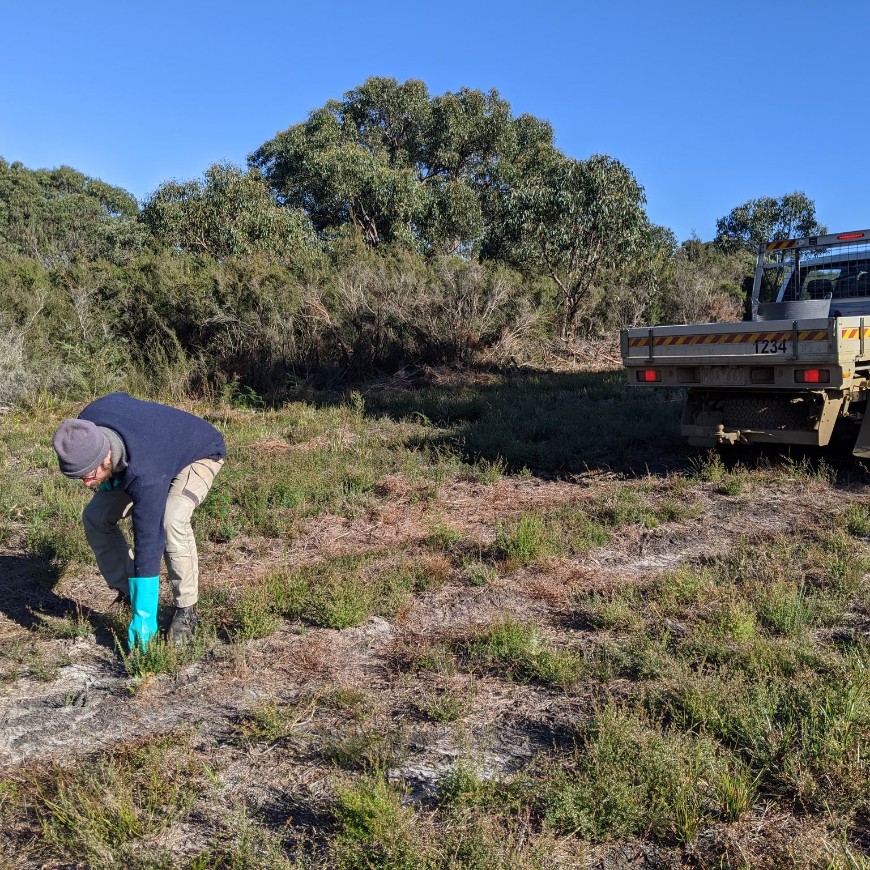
649, 376
812, 376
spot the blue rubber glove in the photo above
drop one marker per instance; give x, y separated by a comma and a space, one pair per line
143, 601
108, 485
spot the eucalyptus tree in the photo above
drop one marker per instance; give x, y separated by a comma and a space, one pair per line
767, 219
401, 167
572, 221
60, 216
228, 212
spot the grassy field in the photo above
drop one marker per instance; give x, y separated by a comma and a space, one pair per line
456, 622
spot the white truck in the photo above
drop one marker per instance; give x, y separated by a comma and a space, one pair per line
788, 375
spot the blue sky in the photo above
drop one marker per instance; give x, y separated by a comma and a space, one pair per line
707, 103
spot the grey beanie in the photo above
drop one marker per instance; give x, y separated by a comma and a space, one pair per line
80, 447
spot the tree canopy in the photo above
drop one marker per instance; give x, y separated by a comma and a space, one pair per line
389, 227
402, 167
574, 219
60, 216
228, 213
768, 219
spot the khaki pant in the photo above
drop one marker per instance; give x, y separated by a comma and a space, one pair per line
112, 551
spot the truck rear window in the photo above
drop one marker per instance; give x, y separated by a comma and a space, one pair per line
839, 281
845, 275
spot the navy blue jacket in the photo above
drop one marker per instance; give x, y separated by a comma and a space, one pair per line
160, 441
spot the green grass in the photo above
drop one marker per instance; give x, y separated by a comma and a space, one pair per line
519, 650
543, 421
243, 843
802, 737
349, 590
629, 777
98, 811
54, 528
574, 529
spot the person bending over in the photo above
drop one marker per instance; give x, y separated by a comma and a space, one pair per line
155, 463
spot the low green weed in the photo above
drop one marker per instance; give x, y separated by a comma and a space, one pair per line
625, 506
372, 750
441, 704
46, 669
348, 590
479, 573
443, 537
439, 658
342, 603
735, 786
519, 648
786, 609
617, 609
374, 828
486, 471
254, 615
640, 657
524, 541
270, 721
575, 529
97, 811
465, 786
162, 657
69, 627
351, 701
709, 468
685, 586
805, 469
857, 520
537, 535
732, 619
629, 777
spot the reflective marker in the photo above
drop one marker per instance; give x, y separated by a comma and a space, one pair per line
812, 376
649, 375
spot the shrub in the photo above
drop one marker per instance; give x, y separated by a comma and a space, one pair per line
374, 829
628, 777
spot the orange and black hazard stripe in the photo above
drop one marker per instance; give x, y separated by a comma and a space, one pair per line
731, 338
855, 332
779, 246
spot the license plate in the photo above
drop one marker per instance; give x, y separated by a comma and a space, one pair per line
723, 375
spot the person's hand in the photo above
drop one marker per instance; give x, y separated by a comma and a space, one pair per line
144, 592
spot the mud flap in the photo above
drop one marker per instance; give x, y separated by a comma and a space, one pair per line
862, 445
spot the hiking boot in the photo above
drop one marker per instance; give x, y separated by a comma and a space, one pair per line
184, 625
120, 602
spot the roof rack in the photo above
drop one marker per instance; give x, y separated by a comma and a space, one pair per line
818, 241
